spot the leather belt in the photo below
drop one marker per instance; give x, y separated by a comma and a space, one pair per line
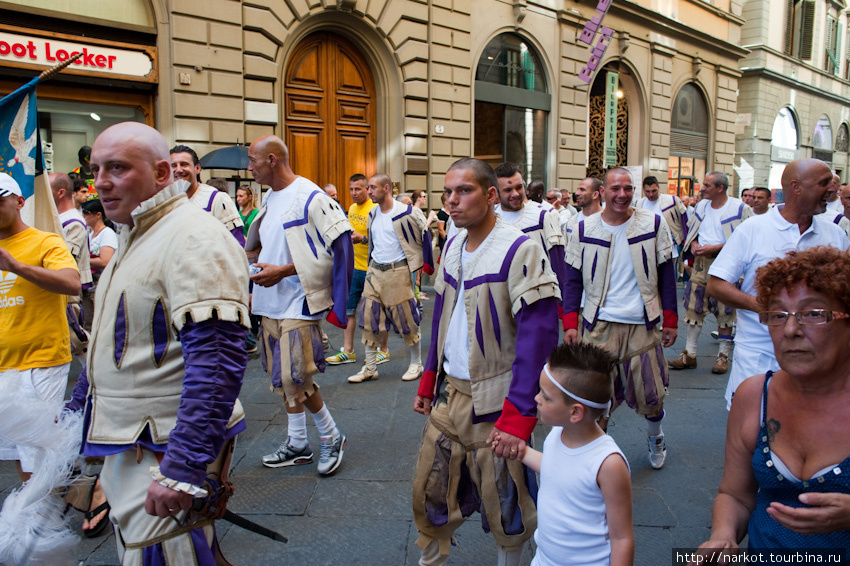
389, 266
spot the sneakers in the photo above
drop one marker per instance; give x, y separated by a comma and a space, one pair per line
331, 454
657, 451
286, 455
363, 375
342, 357
721, 364
413, 372
383, 357
684, 361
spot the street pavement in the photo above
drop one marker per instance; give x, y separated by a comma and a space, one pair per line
362, 514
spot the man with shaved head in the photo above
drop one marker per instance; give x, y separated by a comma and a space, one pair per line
794, 226
167, 355
77, 238
399, 245
301, 243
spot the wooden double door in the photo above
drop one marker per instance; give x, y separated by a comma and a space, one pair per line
329, 97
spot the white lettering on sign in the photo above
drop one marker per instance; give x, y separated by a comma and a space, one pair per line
50, 52
588, 33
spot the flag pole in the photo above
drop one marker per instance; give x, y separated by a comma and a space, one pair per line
52, 71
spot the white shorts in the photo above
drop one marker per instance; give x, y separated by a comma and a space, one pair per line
47, 384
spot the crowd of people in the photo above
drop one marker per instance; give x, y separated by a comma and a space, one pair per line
165, 344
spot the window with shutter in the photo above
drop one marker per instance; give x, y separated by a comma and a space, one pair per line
789, 27
847, 58
829, 45
836, 69
807, 24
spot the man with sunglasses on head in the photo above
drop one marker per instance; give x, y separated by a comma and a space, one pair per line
794, 226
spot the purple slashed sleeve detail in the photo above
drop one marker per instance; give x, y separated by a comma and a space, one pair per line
431, 359
427, 253
215, 358
239, 234
343, 270
537, 336
667, 285
573, 289
557, 260
79, 393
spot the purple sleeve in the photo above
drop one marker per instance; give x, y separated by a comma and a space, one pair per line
431, 361
78, 395
537, 336
427, 252
667, 285
239, 234
573, 288
215, 360
343, 270
558, 261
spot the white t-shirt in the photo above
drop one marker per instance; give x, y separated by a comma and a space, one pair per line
386, 248
835, 206
710, 230
509, 216
286, 299
457, 335
572, 526
653, 205
623, 302
753, 244
106, 238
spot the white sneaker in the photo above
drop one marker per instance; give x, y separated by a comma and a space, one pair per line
413, 373
363, 375
657, 451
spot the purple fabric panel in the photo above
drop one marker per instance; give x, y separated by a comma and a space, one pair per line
667, 285
321, 240
214, 352
558, 262
343, 271
494, 316
204, 555
318, 349
77, 220
628, 378
619, 393
296, 357
467, 494
644, 237
645, 261
596, 241
416, 311
712, 303
699, 300
304, 219
572, 290
262, 343
78, 394
402, 318
436, 496
502, 275
159, 332
239, 234
508, 499
479, 332
537, 336
361, 313
427, 250
312, 246
209, 206
686, 295
76, 323
408, 210
375, 318
728, 310
646, 375
662, 363
737, 215
404, 233
431, 358
593, 267
525, 271
120, 329
274, 346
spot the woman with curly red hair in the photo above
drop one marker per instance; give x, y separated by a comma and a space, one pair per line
786, 438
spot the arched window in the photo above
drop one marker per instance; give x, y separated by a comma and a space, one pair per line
784, 143
688, 141
822, 140
512, 106
842, 140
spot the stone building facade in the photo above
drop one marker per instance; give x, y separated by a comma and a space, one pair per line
408, 86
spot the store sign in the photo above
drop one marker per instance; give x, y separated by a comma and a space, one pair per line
612, 84
588, 33
19, 48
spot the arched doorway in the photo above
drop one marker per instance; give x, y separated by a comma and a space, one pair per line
688, 141
329, 109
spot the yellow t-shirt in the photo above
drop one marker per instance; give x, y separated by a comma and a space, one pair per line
33, 324
358, 217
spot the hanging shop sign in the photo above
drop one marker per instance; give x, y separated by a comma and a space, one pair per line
588, 33
612, 84
99, 58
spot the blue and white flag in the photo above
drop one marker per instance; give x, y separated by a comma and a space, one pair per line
21, 157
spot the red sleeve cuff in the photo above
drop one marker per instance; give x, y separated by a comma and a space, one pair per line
515, 423
332, 318
428, 269
671, 320
426, 384
570, 320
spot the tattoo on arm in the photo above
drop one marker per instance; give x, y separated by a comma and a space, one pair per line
773, 427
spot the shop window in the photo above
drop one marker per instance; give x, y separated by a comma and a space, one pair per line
688, 141
512, 106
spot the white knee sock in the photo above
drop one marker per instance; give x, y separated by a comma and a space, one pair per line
416, 353
726, 347
653, 427
693, 335
371, 359
431, 555
297, 429
509, 557
325, 422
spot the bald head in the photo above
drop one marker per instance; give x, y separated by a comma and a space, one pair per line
268, 161
266, 145
62, 187
131, 163
807, 184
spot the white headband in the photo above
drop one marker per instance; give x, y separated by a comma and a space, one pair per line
576, 397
